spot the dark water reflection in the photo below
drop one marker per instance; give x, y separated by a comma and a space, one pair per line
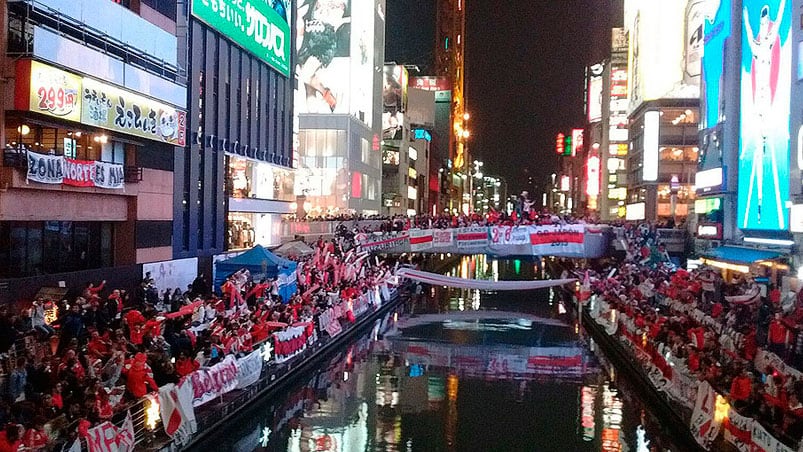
457, 371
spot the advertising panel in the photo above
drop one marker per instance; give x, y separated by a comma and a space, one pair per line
594, 98
394, 101
112, 108
54, 92
255, 26
335, 41
577, 141
651, 128
763, 187
592, 176
664, 50
431, 83
717, 30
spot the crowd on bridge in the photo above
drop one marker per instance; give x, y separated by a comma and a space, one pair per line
73, 363
743, 339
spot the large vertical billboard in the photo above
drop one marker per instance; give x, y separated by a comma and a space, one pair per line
765, 103
665, 43
594, 93
335, 65
394, 101
716, 32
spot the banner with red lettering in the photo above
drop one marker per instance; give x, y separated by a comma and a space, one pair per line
329, 322
509, 235
378, 243
211, 382
107, 437
561, 239
441, 238
289, 343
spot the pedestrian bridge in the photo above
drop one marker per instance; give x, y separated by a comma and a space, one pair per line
571, 240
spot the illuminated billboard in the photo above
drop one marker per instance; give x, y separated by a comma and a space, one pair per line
594, 93
717, 30
258, 27
577, 141
394, 101
765, 103
335, 64
665, 44
652, 122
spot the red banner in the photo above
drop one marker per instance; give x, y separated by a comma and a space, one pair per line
79, 173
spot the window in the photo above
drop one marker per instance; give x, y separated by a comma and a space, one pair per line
113, 152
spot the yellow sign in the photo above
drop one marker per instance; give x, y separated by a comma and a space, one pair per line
55, 92
115, 109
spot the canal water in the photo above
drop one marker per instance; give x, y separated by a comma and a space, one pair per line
457, 370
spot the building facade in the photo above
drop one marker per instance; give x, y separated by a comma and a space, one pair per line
234, 177
89, 137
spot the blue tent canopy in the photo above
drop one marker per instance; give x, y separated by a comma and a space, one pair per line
262, 264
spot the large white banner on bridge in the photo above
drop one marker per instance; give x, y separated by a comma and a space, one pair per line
441, 238
557, 239
420, 239
509, 235
473, 237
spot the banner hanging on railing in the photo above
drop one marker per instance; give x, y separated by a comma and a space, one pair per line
420, 240
473, 237
249, 369
509, 235
108, 437
175, 409
461, 283
441, 238
211, 382
380, 243
289, 343
329, 322
549, 240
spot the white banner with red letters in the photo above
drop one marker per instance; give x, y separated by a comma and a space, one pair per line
329, 321
175, 408
420, 239
383, 242
472, 237
548, 240
211, 382
441, 238
108, 437
509, 235
289, 343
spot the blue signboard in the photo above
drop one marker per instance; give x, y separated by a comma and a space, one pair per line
716, 31
764, 124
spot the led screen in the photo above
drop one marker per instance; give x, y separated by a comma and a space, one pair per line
764, 130
717, 30
335, 43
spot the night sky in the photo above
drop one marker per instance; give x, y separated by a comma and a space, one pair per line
524, 71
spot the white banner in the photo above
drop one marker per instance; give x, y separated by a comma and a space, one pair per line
211, 382
109, 175
739, 430
473, 237
107, 437
548, 240
329, 322
763, 441
509, 235
441, 238
175, 408
420, 239
249, 369
481, 284
703, 427
45, 169
289, 343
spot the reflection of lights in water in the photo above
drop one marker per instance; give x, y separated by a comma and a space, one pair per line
345, 375
475, 300
517, 266
576, 328
451, 387
551, 297
265, 437
495, 269
587, 400
611, 420
461, 304
395, 317
561, 308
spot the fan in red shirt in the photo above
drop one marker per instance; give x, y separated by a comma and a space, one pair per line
186, 365
10, 438
139, 376
741, 387
35, 437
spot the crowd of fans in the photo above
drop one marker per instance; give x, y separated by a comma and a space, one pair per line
108, 348
740, 318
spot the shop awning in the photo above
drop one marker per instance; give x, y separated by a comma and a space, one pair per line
740, 255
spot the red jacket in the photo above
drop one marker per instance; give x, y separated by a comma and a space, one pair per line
138, 376
186, 366
741, 388
777, 334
